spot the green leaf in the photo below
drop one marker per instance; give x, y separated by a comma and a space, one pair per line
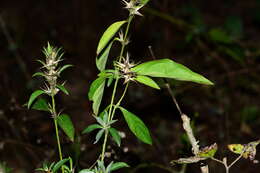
108, 34
86, 171
169, 69
41, 105
219, 35
63, 89
115, 135
95, 93
147, 81
209, 151
91, 127
137, 126
64, 68
33, 96
38, 74
102, 59
99, 135
66, 125
94, 86
118, 165
97, 98
59, 164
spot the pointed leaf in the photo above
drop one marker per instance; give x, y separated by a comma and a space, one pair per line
41, 105
94, 86
115, 135
137, 126
147, 81
59, 164
33, 96
169, 69
118, 165
91, 127
97, 98
64, 68
63, 89
99, 135
102, 59
66, 125
108, 34
38, 74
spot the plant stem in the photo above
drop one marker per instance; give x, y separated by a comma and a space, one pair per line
238, 158
56, 128
110, 116
119, 101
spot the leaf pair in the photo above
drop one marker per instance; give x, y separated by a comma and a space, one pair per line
135, 124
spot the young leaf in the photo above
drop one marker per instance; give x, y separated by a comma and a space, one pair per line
41, 105
33, 96
169, 69
64, 68
118, 165
94, 87
91, 127
147, 81
38, 74
137, 126
115, 135
99, 135
97, 98
59, 164
63, 89
66, 125
102, 59
108, 34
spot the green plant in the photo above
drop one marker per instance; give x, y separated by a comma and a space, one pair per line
51, 72
122, 73
125, 69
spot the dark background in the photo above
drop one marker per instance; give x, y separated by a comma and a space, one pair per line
218, 39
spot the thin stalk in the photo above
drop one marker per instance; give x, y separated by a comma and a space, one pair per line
119, 101
238, 158
56, 128
115, 88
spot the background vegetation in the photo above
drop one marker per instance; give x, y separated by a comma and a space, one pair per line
218, 39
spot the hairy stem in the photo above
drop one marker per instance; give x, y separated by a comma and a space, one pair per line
110, 114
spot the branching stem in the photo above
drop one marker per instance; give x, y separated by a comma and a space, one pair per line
111, 110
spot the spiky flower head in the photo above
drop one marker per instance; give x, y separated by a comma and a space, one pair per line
125, 69
133, 6
51, 69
